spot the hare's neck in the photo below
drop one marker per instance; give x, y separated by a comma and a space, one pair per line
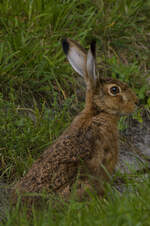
93, 111
87, 116
108, 118
107, 124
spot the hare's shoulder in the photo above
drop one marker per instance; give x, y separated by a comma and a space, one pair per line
72, 146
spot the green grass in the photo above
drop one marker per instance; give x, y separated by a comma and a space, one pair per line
129, 209
40, 93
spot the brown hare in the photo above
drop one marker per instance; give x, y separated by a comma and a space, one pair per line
87, 152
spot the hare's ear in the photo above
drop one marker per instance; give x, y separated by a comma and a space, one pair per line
91, 58
76, 55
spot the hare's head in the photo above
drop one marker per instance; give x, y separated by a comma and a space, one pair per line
103, 94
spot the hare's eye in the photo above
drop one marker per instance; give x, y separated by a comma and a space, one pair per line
114, 90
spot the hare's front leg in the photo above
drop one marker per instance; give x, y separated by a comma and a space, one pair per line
88, 187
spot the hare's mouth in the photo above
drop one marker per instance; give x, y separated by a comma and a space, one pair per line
129, 111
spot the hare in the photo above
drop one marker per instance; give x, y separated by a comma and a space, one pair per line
87, 152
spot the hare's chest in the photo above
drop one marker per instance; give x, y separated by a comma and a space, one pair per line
94, 163
104, 156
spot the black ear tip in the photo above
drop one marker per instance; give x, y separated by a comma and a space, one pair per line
93, 47
65, 45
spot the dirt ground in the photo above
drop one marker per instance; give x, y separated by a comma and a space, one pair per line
134, 145
134, 154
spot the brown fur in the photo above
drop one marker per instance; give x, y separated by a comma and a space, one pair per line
88, 149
